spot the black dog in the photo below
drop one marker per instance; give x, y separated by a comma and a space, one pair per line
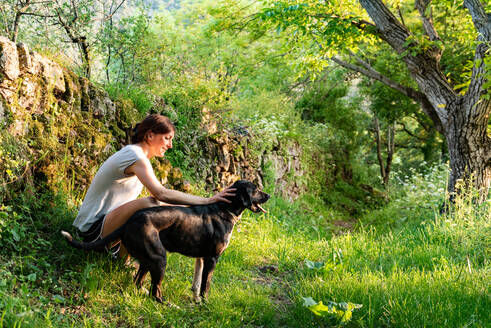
200, 231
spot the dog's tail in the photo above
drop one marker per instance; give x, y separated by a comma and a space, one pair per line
95, 245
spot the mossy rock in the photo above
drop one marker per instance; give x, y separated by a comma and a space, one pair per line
127, 114
73, 89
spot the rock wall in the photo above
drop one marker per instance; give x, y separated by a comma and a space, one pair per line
56, 127
234, 155
34, 84
65, 126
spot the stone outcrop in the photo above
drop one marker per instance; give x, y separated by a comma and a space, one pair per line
64, 126
9, 59
232, 157
67, 126
28, 79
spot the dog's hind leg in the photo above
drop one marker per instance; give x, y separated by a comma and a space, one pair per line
140, 275
156, 263
157, 270
196, 286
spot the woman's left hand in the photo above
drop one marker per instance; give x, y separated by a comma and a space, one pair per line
221, 196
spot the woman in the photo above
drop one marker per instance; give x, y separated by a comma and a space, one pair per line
112, 195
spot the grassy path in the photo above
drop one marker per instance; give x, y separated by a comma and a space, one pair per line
410, 268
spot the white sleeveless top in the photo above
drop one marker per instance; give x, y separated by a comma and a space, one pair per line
111, 187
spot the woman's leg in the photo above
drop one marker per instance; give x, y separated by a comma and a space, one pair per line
117, 217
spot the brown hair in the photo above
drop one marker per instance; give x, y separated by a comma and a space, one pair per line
155, 123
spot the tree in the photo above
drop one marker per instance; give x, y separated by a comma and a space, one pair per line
77, 18
398, 125
458, 111
56, 23
12, 11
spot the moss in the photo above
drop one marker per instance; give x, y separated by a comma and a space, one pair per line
72, 93
127, 114
7, 118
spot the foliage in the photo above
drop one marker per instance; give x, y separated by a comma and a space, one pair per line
126, 48
425, 270
390, 254
14, 165
140, 99
341, 311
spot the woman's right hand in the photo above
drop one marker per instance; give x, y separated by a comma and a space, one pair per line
221, 196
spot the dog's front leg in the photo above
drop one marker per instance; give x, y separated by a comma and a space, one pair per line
209, 264
196, 287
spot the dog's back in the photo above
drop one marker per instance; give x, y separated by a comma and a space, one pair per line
195, 231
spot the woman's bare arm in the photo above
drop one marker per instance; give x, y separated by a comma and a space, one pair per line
144, 171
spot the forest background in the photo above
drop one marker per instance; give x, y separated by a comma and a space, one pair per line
359, 232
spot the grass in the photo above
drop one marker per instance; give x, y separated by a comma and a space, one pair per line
405, 264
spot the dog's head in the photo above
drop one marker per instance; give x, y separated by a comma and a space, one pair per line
247, 195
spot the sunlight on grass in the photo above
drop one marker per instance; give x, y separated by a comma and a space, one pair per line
405, 267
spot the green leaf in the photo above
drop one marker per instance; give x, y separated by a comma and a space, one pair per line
342, 311
32, 277
346, 316
308, 301
314, 265
321, 309
15, 235
58, 299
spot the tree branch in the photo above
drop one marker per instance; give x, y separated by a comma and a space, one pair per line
482, 23
481, 20
39, 15
422, 6
409, 132
419, 97
370, 72
112, 12
379, 149
423, 65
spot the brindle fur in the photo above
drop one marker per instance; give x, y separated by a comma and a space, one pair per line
200, 231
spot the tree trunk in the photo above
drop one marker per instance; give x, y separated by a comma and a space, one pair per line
385, 168
15, 29
469, 150
85, 51
462, 119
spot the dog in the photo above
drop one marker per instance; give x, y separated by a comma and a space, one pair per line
199, 231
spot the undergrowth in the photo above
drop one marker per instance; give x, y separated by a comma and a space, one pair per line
403, 265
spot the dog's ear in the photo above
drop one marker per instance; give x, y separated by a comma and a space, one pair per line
245, 197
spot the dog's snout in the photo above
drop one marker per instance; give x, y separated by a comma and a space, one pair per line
263, 197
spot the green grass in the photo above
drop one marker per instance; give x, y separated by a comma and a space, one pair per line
406, 265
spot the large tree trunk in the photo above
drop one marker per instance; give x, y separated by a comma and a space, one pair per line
468, 146
462, 119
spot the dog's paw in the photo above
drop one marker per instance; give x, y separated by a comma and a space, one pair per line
144, 291
66, 235
172, 305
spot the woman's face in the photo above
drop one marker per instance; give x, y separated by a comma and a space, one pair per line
159, 143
